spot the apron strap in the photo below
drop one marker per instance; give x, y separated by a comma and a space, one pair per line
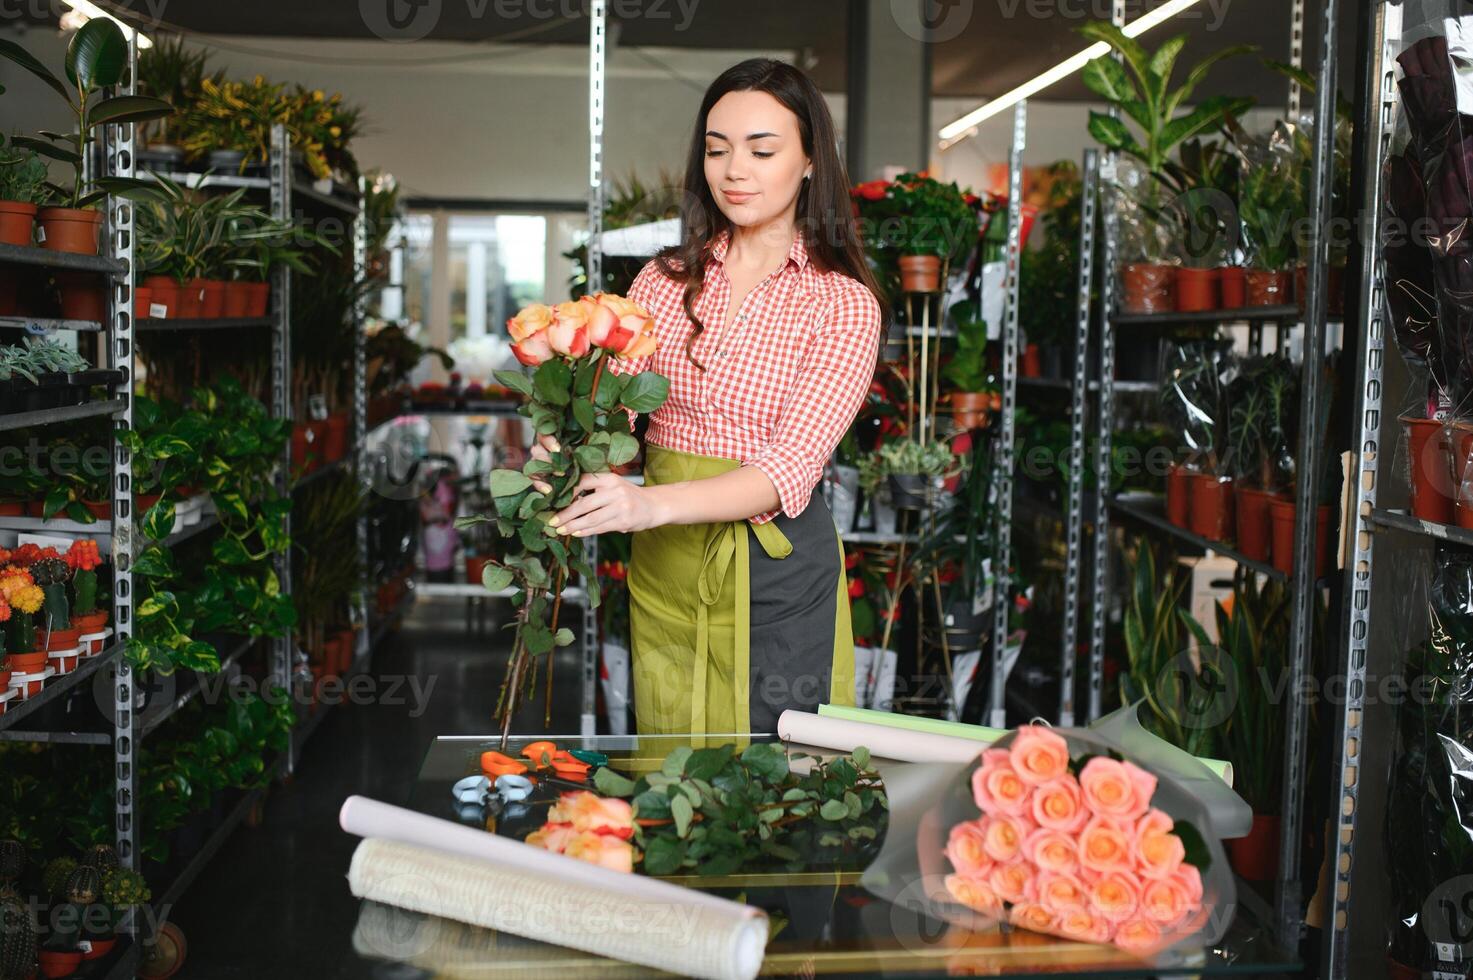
726, 546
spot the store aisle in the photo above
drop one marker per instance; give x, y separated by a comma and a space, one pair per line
299, 918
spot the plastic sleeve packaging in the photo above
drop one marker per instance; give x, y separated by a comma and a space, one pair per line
423, 864
927, 800
905, 738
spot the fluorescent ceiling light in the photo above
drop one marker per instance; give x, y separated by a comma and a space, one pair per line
87, 10
960, 129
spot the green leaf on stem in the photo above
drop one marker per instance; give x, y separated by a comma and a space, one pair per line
496, 578
610, 389
158, 523
706, 763
610, 783
664, 855
591, 459
515, 380
583, 414
833, 810
674, 763
228, 550
622, 448
553, 382
683, 812
505, 483
645, 392
563, 637
537, 637
532, 537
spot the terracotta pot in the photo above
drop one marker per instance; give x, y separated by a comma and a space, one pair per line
63, 639
212, 306
1178, 495
83, 295
192, 299
65, 661
1264, 288
920, 273
1255, 531
1283, 514
142, 300
1196, 290
237, 299
1335, 286
100, 509
70, 230
1430, 459
29, 685
13, 508
335, 442
100, 948
1256, 856
91, 622
5, 673
1148, 288
17, 222
1232, 286
260, 302
27, 661
143, 501
55, 963
165, 293
36, 508
969, 408
1212, 506
1032, 363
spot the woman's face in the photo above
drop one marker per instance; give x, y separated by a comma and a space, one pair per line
754, 158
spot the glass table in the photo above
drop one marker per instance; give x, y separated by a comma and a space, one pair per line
823, 921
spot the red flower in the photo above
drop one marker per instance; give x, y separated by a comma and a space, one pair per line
856, 588
961, 445
873, 190
83, 555
851, 560
26, 555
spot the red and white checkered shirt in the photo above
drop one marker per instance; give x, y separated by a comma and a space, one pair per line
784, 384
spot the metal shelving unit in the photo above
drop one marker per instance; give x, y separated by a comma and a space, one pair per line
1107, 511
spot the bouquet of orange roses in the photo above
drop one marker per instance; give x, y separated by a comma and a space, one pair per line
586, 409
1102, 835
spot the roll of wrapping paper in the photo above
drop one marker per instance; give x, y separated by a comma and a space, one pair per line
424, 864
905, 738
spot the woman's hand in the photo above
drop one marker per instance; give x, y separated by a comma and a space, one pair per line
608, 503
542, 448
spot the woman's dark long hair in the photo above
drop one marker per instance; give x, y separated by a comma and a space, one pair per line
824, 215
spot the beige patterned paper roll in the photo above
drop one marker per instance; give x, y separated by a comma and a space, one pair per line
418, 862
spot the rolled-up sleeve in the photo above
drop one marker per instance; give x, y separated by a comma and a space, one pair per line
832, 381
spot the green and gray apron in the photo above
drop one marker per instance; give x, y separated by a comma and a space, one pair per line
734, 623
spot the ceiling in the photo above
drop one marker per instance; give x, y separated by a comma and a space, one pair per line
1000, 44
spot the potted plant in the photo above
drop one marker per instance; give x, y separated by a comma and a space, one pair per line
96, 60
912, 471
22, 188
958, 550
934, 225
25, 599
1264, 400
123, 889
1270, 205
83, 558
1194, 396
1139, 87
1253, 636
170, 71
969, 373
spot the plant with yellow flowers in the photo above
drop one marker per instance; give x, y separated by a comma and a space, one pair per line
322, 127
24, 598
230, 115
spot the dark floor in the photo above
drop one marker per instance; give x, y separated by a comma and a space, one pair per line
275, 901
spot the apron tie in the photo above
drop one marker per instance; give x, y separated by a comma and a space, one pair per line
726, 546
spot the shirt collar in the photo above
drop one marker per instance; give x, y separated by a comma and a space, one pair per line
797, 253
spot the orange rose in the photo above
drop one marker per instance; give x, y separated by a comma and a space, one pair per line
529, 320
1159, 852
568, 333
1039, 755
603, 850
1051, 850
966, 849
1002, 836
1058, 892
552, 837
1118, 790
1079, 925
996, 787
1191, 882
1164, 902
591, 813
1013, 882
1138, 936
1057, 805
973, 892
1104, 847
1115, 896
534, 350
1032, 915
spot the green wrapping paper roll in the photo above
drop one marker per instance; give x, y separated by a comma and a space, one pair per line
953, 729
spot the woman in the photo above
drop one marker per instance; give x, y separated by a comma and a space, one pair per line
769, 323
